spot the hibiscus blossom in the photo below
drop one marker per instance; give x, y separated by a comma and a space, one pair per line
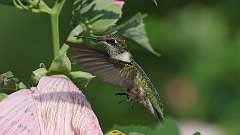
55, 107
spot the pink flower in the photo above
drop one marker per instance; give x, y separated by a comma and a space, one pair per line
119, 3
190, 127
55, 107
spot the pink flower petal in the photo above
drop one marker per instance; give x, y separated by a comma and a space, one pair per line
119, 3
190, 127
55, 107
18, 114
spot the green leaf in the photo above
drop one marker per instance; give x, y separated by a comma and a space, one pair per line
76, 31
168, 127
8, 82
38, 74
81, 74
4, 78
2, 96
81, 78
35, 6
62, 63
95, 16
23, 2
134, 128
134, 30
197, 133
21, 85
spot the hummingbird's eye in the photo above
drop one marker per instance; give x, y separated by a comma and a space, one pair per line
112, 42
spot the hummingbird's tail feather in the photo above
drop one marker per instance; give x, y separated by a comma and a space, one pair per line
158, 114
155, 110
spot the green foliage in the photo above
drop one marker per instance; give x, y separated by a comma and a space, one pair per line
95, 15
168, 127
99, 17
35, 6
8, 83
38, 74
23, 3
61, 64
76, 31
200, 44
2, 96
88, 16
134, 128
6, 77
81, 78
197, 133
134, 30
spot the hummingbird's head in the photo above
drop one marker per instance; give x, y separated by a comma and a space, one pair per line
111, 41
114, 44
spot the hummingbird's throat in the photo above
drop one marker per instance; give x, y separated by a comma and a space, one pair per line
125, 56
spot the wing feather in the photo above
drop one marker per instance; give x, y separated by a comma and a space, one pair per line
102, 65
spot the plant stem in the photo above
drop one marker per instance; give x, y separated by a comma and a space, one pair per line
55, 34
56, 10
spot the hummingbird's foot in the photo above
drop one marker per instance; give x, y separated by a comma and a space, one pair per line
122, 101
132, 106
127, 101
122, 94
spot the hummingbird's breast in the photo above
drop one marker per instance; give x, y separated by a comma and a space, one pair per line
136, 94
139, 91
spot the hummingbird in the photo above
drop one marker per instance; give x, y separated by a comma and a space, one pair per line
116, 65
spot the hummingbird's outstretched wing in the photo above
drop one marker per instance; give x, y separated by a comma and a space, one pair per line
103, 66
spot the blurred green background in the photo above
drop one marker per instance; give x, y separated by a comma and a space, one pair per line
197, 75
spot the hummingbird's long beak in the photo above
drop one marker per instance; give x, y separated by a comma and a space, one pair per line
94, 38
